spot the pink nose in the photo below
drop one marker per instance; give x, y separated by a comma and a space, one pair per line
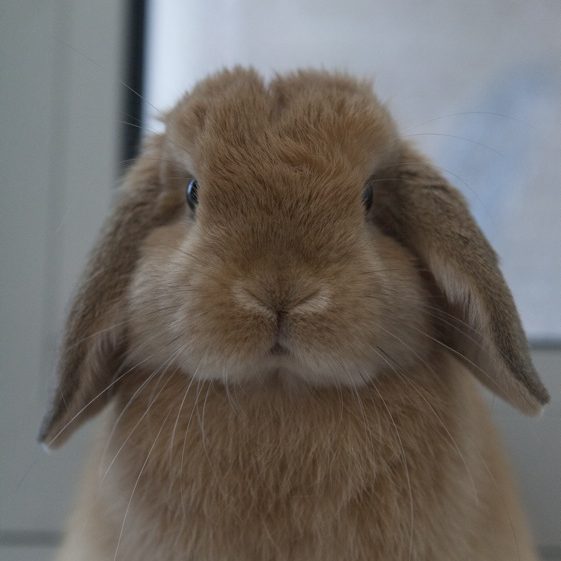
278, 309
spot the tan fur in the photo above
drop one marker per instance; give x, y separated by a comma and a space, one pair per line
364, 437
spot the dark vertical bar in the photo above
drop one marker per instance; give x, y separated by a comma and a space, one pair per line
133, 78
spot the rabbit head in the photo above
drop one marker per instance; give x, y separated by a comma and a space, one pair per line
284, 234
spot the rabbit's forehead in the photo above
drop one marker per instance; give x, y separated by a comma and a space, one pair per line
271, 171
235, 121
299, 140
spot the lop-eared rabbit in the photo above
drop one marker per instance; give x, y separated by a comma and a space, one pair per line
287, 312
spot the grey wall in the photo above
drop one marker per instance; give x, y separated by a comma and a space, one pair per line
60, 63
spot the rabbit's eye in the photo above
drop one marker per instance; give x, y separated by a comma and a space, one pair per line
191, 194
367, 196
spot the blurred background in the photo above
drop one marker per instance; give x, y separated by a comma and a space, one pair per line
475, 83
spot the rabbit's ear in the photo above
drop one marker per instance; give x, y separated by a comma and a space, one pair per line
478, 317
95, 340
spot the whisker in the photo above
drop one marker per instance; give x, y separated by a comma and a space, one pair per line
173, 432
457, 353
406, 466
467, 113
201, 420
165, 367
445, 171
471, 141
387, 358
136, 485
506, 507
184, 446
107, 388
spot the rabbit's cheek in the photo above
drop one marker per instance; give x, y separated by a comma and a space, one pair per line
340, 324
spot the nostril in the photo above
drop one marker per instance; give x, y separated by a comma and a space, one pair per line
277, 307
314, 302
250, 301
306, 298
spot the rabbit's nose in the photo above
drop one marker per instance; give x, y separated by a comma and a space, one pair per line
278, 308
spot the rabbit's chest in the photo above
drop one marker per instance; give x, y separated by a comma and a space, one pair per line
214, 473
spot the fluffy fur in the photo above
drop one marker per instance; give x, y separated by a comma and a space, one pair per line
289, 370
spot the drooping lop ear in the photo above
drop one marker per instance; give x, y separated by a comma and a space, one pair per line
417, 206
95, 339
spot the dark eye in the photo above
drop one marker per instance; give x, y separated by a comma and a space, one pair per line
191, 194
367, 196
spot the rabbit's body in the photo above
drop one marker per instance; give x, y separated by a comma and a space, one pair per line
281, 338
398, 470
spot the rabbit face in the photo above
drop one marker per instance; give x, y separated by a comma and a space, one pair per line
236, 302
278, 272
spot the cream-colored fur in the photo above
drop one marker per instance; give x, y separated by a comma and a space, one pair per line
400, 471
289, 362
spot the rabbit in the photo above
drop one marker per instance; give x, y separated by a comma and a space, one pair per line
286, 319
